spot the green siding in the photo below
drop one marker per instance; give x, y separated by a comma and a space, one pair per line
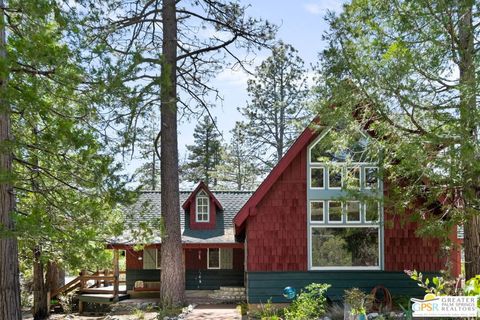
265, 285
141, 275
213, 279
195, 279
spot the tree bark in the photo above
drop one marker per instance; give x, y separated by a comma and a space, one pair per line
55, 276
469, 133
40, 290
10, 308
172, 285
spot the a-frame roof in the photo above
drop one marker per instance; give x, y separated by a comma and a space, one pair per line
302, 142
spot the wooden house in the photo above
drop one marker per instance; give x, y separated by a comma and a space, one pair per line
300, 226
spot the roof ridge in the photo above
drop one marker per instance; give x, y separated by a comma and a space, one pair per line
217, 191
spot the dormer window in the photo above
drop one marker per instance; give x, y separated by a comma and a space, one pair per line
202, 207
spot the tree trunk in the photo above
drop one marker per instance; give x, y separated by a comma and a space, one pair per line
55, 276
469, 133
40, 290
172, 282
10, 308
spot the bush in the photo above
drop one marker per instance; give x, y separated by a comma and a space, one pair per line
309, 304
268, 311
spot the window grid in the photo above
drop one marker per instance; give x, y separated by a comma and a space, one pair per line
202, 208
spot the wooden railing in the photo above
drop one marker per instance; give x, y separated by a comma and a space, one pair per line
103, 279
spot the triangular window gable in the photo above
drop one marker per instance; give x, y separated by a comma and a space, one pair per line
326, 148
202, 207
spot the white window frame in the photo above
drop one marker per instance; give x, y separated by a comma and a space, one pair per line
360, 182
203, 197
328, 212
364, 183
341, 167
359, 212
310, 177
323, 214
379, 212
219, 259
310, 258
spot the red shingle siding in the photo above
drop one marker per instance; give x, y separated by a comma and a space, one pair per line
277, 235
238, 259
404, 250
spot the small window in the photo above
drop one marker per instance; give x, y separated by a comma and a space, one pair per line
353, 211
317, 178
353, 178
316, 211
334, 211
372, 211
159, 258
371, 178
203, 207
335, 177
213, 258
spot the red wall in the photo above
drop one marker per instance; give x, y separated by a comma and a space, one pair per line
277, 234
404, 250
202, 225
196, 259
131, 257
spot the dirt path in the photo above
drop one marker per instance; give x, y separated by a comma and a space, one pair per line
214, 312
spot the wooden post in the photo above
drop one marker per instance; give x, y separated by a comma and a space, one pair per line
82, 280
97, 282
116, 274
105, 282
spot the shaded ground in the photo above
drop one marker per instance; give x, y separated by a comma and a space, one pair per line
214, 312
148, 316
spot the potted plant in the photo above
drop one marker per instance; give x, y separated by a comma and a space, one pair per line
356, 303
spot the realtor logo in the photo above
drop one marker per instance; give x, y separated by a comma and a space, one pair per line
444, 306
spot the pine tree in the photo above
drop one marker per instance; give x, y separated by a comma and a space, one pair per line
205, 154
238, 170
277, 109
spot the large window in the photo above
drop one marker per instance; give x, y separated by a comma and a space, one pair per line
202, 207
344, 204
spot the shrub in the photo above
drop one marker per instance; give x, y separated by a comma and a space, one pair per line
268, 311
358, 301
309, 304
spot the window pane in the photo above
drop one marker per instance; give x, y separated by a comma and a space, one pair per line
317, 178
335, 177
214, 258
334, 211
159, 258
371, 210
353, 211
329, 149
371, 178
344, 247
316, 211
353, 178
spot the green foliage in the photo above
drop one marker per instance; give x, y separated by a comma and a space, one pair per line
238, 169
472, 288
390, 69
168, 312
358, 301
439, 286
139, 314
204, 155
268, 311
309, 304
277, 109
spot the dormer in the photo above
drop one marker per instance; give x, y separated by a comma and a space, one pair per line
202, 207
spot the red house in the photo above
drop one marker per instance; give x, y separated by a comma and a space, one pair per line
317, 217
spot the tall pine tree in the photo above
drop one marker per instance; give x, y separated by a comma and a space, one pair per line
204, 155
277, 109
238, 169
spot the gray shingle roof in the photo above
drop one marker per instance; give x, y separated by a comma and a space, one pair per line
146, 212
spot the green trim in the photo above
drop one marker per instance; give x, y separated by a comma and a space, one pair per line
262, 286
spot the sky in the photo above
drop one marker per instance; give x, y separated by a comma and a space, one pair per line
301, 24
